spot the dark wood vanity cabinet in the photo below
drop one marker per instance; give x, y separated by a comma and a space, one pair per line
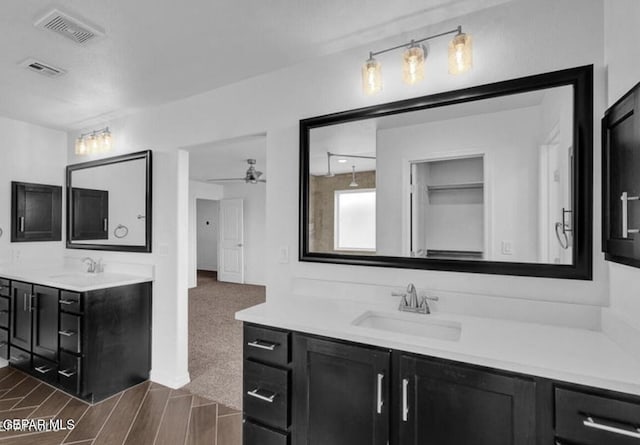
446, 404
36, 212
90, 344
621, 181
340, 393
313, 390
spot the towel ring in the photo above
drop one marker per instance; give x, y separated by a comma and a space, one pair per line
120, 231
561, 234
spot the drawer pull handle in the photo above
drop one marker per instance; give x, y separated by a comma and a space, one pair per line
262, 345
43, 369
19, 357
67, 302
405, 400
379, 398
4, 311
256, 393
589, 422
3, 344
67, 333
67, 372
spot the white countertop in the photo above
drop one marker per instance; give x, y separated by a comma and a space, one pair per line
567, 354
68, 278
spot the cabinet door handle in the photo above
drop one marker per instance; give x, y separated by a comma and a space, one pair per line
590, 423
67, 333
105, 224
43, 369
625, 198
405, 400
21, 224
256, 394
379, 398
263, 345
67, 372
24, 302
31, 305
63, 301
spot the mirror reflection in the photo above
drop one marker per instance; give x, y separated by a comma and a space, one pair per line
483, 180
108, 203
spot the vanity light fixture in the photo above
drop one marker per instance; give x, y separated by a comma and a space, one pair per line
94, 142
413, 58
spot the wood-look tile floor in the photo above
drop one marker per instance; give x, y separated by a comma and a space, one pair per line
147, 413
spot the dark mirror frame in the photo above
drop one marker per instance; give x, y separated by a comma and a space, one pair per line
146, 155
581, 78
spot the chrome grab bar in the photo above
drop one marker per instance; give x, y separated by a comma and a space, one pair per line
589, 422
256, 394
262, 345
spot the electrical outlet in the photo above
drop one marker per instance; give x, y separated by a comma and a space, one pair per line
283, 255
507, 248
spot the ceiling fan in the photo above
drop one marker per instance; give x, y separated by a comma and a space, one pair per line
252, 176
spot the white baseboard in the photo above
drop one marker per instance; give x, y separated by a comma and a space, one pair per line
173, 382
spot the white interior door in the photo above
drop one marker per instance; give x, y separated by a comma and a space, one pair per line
231, 258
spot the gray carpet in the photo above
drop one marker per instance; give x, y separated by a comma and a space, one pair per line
215, 338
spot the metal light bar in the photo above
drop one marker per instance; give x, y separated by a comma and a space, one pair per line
458, 30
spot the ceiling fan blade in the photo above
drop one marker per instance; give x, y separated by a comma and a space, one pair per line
227, 180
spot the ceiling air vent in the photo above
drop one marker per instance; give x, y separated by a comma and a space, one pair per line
68, 26
42, 68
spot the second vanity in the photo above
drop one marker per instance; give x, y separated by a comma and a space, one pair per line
322, 370
88, 334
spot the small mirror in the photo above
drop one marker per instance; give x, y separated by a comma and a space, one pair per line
491, 179
109, 204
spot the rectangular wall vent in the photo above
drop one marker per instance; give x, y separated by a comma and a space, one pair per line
69, 27
42, 68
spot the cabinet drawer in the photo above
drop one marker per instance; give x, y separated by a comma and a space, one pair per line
4, 312
595, 420
69, 335
45, 369
266, 345
258, 435
19, 358
69, 371
266, 394
70, 301
4, 344
5, 289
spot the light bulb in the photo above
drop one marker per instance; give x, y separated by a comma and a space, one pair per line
371, 77
413, 64
460, 54
107, 140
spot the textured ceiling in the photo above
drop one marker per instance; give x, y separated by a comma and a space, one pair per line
156, 51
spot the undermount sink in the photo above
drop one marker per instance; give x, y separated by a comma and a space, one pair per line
410, 324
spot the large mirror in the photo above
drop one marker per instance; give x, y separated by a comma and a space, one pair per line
491, 179
109, 204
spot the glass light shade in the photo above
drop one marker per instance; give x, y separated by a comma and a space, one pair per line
92, 144
107, 140
460, 54
81, 146
413, 65
371, 77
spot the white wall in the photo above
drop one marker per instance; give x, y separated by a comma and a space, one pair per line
29, 153
207, 224
254, 208
622, 19
198, 190
509, 142
517, 39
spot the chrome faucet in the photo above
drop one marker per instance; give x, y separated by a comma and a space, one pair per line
412, 304
93, 266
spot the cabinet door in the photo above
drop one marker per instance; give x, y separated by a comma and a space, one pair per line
340, 393
446, 404
21, 315
36, 212
45, 322
621, 182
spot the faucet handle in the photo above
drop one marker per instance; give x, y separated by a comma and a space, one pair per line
398, 294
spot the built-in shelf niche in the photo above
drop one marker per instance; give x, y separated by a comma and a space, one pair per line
448, 209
